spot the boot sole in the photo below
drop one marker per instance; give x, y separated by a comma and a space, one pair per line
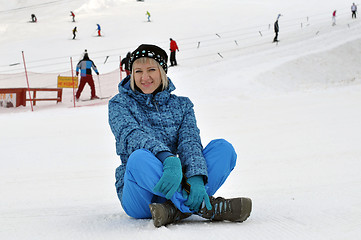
246, 208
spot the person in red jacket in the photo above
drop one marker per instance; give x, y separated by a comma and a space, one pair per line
173, 48
72, 15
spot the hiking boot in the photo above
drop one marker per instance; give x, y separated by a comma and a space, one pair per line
166, 213
234, 209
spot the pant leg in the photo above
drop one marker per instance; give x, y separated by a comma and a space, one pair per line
221, 160
92, 85
142, 173
276, 37
172, 58
81, 86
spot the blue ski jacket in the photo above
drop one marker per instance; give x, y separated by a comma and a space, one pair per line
164, 124
85, 67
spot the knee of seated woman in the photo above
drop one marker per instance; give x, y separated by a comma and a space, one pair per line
142, 158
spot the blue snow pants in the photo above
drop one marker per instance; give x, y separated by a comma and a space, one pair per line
144, 170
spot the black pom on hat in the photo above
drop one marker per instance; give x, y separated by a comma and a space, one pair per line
150, 51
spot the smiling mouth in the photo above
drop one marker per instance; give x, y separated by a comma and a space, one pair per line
147, 84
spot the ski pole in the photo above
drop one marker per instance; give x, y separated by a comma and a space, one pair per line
100, 90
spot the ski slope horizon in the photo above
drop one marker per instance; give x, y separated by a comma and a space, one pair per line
291, 110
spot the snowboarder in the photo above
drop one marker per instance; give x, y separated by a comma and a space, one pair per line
173, 48
33, 18
353, 10
72, 15
85, 65
148, 15
98, 29
125, 62
165, 172
74, 32
334, 18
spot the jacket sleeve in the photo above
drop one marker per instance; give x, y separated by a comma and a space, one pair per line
77, 67
189, 144
128, 132
94, 67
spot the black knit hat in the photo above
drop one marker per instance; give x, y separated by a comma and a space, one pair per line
150, 51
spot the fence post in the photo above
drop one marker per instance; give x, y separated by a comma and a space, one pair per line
27, 80
72, 78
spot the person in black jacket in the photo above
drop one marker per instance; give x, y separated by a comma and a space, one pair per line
74, 32
33, 18
125, 62
276, 27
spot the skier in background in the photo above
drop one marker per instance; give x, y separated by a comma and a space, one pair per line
276, 29
98, 28
85, 66
173, 48
334, 18
33, 18
74, 33
166, 174
125, 62
353, 10
148, 14
72, 15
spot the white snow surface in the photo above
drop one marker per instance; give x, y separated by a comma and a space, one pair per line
292, 110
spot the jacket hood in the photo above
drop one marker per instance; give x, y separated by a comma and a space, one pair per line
147, 99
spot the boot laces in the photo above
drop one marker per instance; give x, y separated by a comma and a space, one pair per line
222, 206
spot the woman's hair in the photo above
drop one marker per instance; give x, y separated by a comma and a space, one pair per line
163, 75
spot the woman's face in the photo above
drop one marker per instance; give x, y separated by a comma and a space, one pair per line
146, 76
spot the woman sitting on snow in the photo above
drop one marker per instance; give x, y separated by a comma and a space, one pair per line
165, 172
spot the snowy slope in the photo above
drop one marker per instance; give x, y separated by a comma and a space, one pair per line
291, 110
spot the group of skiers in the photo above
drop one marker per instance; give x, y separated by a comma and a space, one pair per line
34, 19
98, 29
353, 13
75, 29
276, 26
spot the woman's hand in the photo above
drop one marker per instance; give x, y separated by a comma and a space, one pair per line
197, 194
171, 178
